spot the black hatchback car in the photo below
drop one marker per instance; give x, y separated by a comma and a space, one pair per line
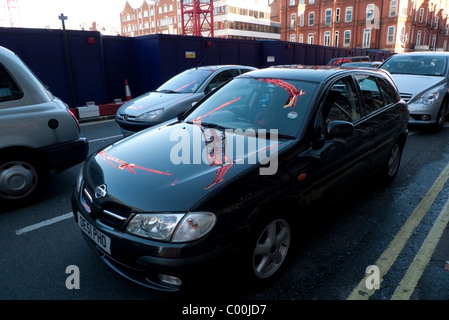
238, 172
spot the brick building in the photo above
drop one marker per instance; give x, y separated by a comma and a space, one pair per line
394, 25
151, 17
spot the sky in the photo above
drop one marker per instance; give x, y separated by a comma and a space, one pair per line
45, 13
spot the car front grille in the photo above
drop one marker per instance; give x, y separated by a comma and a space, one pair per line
108, 213
405, 96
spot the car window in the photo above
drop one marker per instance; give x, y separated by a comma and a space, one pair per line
371, 94
389, 95
9, 90
416, 64
221, 77
341, 102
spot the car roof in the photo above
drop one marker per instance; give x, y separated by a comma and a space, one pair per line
421, 53
306, 73
223, 66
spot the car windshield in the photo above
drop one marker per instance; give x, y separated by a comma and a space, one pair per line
257, 103
416, 65
186, 82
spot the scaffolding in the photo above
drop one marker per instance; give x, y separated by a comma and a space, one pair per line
197, 16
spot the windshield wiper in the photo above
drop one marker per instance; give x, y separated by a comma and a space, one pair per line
208, 125
279, 135
166, 91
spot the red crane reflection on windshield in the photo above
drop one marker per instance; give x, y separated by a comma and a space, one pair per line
292, 92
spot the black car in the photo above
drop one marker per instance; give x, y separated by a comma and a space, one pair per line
239, 172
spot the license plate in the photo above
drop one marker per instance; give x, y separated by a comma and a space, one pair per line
98, 237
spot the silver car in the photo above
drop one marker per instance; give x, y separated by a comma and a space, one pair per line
38, 134
423, 82
174, 97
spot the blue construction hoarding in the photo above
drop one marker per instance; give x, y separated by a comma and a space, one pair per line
94, 67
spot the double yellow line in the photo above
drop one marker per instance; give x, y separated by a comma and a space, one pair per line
389, 256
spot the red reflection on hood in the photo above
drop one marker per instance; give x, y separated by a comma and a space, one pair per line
292, 92
121, 165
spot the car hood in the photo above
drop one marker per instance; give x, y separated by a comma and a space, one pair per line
152, 101
160, 169
414, 84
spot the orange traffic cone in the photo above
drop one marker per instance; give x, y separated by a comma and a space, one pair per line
127, 91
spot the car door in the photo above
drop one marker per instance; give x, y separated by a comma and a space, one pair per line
379, 100
340, 162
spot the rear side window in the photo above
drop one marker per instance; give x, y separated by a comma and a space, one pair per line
9, 90
371, 93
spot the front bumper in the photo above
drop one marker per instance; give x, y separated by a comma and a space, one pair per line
420, 114
149, 263
129, 127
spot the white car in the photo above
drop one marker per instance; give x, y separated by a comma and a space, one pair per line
422, 79
38, 134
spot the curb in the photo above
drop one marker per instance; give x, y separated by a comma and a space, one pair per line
93, 112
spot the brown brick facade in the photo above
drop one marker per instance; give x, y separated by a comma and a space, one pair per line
395, 25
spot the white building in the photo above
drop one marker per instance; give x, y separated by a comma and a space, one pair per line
244, 19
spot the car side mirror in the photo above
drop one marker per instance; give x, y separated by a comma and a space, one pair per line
339, 129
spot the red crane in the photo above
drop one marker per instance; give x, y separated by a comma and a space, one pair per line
197, 16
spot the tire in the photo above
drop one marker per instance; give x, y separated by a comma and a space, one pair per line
391, 167
22, 180
267, 251
441, 117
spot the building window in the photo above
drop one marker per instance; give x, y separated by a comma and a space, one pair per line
293, 21
348, 14
421, 15
418, 38
292, 2
369, 12
347, 38
403, 8
301, 38
301, 20
336, 36
390, 35
366, 38
337, 15
435, 23
311, 1
327, 38
434, 42
328, 17
401, 35
445, 45
292, 38
393, 8
310, 38
311, 18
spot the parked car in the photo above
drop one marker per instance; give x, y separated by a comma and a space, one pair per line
339, 61
423, 82
38, 134
363, 64
234, 177
174, 97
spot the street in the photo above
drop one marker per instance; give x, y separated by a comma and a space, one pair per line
399, 232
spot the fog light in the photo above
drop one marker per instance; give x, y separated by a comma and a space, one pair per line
170, 280
425, 117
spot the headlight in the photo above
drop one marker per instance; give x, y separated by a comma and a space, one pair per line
174, 227
430, 97
150, 115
